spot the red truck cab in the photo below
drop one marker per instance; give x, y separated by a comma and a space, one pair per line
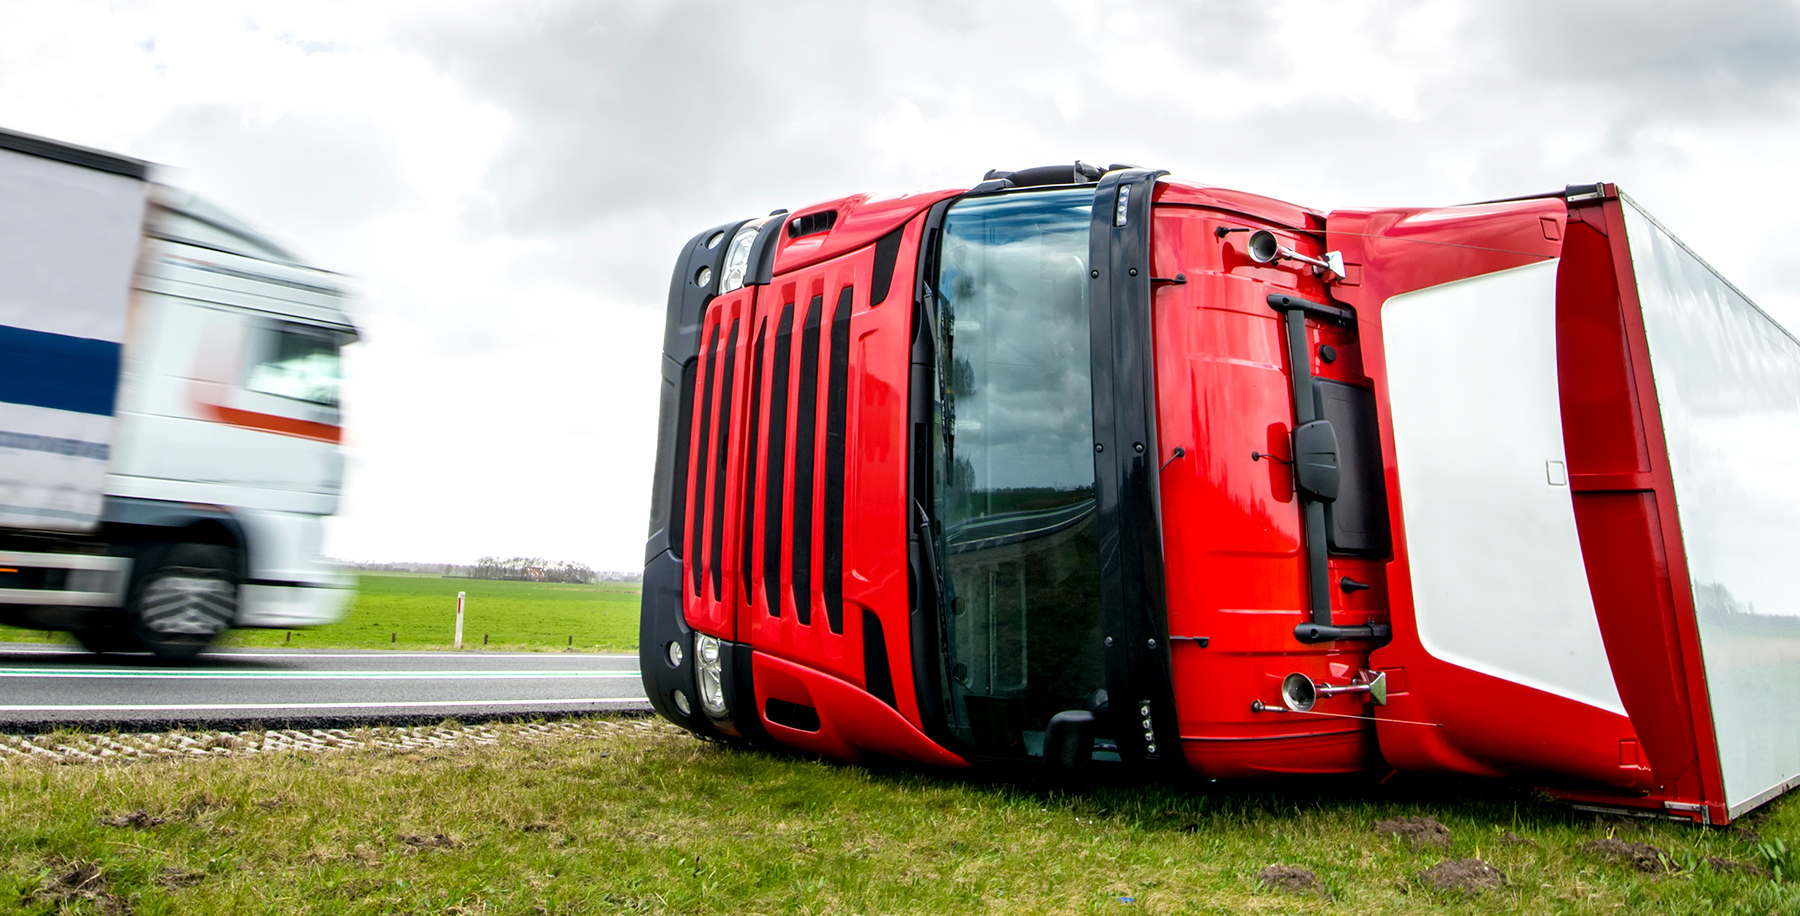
1089, 464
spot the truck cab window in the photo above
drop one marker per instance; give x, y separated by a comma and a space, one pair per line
1014, 467
298, 363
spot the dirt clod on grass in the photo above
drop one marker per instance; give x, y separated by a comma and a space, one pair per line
1462, 875
1720, 863
435, 841
70, 880
1291, 879
172, 877
136, 820
1419, 831
1512, 839
1641, 856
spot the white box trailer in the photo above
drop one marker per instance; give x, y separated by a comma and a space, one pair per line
169, 416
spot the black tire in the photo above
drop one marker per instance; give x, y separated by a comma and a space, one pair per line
109, 637
186, 600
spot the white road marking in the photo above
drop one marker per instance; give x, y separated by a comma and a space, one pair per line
109, 674
378, 705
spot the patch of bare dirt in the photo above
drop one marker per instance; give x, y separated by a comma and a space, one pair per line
1641, 856
71, 880
1510, 838
1720, 863
435, 841
1462, 875
136, 820
1291, 879
172, 877
1419, 831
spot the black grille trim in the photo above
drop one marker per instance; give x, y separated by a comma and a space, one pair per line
806, 435
776, 470
751, 452
722, 457
836, 407
706, 416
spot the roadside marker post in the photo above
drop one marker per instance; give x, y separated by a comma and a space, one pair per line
459, 618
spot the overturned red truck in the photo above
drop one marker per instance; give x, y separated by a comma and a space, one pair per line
1090, 464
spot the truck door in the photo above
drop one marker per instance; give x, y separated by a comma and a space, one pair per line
1497, 664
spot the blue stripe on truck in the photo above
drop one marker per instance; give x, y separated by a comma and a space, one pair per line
57, 371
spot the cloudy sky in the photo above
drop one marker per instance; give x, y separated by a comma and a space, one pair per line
509, 182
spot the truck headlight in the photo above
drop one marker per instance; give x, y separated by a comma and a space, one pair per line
737, 256
709, 672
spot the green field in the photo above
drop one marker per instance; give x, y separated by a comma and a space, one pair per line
419, 612
614, 816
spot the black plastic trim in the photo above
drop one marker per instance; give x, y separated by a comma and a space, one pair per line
740, 693
796, 716
660, 617
45, 148
927, 619
878, 677
806, 432
677, 501
887, 252
762, 251
1341, 315
1356, 523
815, 223
1133, 610
837, 396
681, 347
1317, 632
775, 468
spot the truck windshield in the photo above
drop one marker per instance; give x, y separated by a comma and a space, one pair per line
1014, 469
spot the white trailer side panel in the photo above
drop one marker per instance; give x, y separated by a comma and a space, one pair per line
1728, 383
69, 239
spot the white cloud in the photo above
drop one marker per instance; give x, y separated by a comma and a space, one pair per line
509, 182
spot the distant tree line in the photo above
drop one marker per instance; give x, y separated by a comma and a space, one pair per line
518, 569
532, 569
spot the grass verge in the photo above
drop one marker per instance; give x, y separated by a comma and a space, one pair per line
419, 612
633, 816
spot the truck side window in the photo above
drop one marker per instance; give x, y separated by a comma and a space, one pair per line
299, 363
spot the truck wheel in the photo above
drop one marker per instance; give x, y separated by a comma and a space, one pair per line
186, 600
111, 637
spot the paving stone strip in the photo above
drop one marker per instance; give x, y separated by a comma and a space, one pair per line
81, 747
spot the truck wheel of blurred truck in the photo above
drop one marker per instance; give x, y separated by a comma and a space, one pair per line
113, 635
186, 599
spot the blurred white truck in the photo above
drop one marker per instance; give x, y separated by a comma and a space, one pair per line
169, 418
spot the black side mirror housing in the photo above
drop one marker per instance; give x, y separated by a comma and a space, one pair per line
1316, 461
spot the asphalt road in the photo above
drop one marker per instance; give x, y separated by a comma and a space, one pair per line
43, 686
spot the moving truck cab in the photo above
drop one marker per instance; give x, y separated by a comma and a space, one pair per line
1091, 464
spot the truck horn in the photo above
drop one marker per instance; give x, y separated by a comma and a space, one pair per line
1264, 248
1300, 694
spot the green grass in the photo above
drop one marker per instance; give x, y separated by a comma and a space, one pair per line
416, 612
632, 819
